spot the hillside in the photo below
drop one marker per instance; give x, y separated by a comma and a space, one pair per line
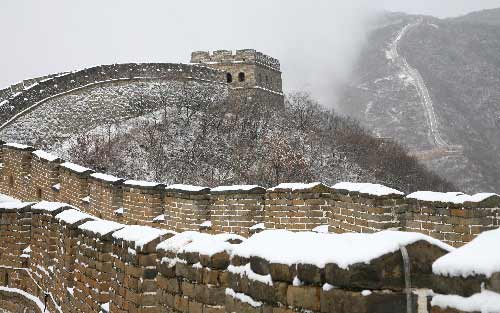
434, 86
191, 132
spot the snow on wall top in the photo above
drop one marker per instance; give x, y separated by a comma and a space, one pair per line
15, 205
106, 177
73, 216
17, 146
367, 188
237, 188
101, 227
76, 168
49, 206
485, 302
295, 186
285, 247
202, 243
141, 183
139, 235
481, 256
45, 155
5, 198
190, 188
450, 197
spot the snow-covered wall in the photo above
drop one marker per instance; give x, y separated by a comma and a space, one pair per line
26, 97
76, 262
33, 175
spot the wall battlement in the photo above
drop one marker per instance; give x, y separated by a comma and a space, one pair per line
12, 103
35, 176
241, 56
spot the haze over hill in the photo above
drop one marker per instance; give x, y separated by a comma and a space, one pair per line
434, 86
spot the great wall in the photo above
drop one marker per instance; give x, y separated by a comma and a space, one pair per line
74, 240
91, 242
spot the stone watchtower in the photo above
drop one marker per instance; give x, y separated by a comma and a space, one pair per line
250, 74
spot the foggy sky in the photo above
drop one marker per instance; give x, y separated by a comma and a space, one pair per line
317, 41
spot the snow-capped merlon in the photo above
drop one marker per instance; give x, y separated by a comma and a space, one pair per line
141, 183
481, 256
76, 168
367, 188
295, 186
139, 235
101, 227
189, 188
73, 216
45, 155
486, 301
450, 197
119, 211
57, 186
106, 177
285, 247
237, 188
205, 244
49, 206
15, 205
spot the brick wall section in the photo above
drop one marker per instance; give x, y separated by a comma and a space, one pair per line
453, 224
364, 214
105, 198
133, 286
17, 171
74, 187
142, 203
93, 271
186, 210
44, 175
43, 247
236, 212
15, 230
298, 210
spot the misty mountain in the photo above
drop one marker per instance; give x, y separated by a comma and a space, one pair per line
433, 85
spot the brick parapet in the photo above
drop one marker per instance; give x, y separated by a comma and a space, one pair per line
239, 210
65, 82
186, 210
106, 198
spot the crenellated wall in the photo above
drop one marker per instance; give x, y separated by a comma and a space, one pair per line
19, 98
75, 262
35, 175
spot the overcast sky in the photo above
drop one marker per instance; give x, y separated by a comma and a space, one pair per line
316, 40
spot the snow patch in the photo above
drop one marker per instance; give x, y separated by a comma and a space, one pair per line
367, 188
484, 302
75, 167
49, 206
481, 256
45, 155
235, 188
295, 186
243, 298
101, 227
72, 216
450, 197
285, 247
140, 235
105, 177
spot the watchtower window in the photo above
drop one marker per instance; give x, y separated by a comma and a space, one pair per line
39, 193
241, 77
229, 77
11, 181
